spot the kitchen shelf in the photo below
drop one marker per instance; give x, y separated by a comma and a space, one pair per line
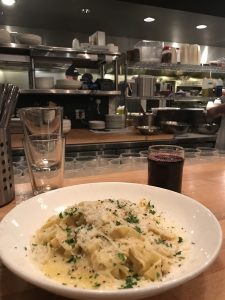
70, 92
33, 58
51, 51
176, 67
174, 98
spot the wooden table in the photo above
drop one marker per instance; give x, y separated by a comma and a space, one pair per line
203, 181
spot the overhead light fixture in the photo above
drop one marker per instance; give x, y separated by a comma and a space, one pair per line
201, 26
149, 19
85, 10
8, 2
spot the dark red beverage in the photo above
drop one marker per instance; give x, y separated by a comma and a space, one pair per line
165, 170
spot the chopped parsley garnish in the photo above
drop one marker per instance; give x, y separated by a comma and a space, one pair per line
132, 219
90, 227
70, 241
120, 205
151, 208
72, 259
177, 253
138, 229
130, 282
97, 285
122, 257
163, 242
180, 239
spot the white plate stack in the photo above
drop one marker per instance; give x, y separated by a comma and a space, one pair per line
115, 121
96, 125
68, 84
66, 125
4, 36
28, 39
44, 82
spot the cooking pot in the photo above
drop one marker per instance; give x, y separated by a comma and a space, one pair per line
148, 130
175, 127
208, 128
146, 119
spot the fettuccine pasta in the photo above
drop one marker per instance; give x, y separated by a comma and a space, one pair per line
108, 244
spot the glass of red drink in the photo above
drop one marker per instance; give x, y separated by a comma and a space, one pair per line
165, 166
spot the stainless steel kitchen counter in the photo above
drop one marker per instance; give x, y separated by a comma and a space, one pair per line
82, 140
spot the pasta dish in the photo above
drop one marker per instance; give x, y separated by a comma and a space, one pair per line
109, 244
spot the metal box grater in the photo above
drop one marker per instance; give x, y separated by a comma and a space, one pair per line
7, 188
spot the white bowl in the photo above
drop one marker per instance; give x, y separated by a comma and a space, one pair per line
5, 36
200, 227
68, 84
115, 121
96, 124
66, 125
44, 82
28, 39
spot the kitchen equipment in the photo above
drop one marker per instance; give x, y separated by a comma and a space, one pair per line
97, 125
184, 54
115, 121
192, 116
66, 125
175, 127
208, 128
148, 130
146, 85
9, 106
194, 54
149, 51
75, 44
5, 36
28, 39
8, 99
68, 84
104, 84
7, 189
97, 38
44, 82
143, 119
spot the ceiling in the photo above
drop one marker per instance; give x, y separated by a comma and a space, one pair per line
191, 6
122, 18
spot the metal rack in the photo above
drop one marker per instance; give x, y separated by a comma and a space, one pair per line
176, 67
33, 57
70, 92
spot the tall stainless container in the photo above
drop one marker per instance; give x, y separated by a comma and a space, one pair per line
7, 188
146, 86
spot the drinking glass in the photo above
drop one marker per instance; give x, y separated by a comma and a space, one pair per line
165, 166
45, 157
42, 120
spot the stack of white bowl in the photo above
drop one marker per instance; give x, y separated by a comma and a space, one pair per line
28, 39
44, 82
115, 121
68, 84
66, 125
96, 124
4, 36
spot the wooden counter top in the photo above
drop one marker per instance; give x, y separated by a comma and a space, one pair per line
203, 181
85, 136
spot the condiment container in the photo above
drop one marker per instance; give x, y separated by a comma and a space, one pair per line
219, 87
166, 55
217, 101
184, 54
210, 104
